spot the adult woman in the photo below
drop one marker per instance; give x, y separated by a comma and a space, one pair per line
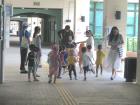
37, 43
90, 40
115, 41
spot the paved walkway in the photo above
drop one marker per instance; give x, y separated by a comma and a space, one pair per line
95, 91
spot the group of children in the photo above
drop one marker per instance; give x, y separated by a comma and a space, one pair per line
66, 58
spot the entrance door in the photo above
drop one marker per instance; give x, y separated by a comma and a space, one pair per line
52, 29
49, 30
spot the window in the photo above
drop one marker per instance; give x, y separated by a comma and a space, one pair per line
96, 18
132, 20
132, 26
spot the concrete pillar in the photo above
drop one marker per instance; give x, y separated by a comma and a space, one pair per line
1, 43
138, 52
110, 8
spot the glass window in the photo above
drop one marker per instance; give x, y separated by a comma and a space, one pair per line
130, 18
99, 18
130, 31
136, 25
96, 19
137, 7
91, 17
98, 31
92, 28
99, 5
131, 6
91, 5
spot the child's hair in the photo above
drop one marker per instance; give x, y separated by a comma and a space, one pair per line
55, 48
89, 47
83, 49
32, 47
99, 47
89, 32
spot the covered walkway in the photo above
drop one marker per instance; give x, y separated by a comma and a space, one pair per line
95, 91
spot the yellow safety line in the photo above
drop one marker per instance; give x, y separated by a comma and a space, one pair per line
66, 95
73, 99
70, 98
64, 99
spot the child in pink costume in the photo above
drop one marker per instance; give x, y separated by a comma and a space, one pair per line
53, 60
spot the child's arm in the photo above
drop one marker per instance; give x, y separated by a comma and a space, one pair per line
27, 60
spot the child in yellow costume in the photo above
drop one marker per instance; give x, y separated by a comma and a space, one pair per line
71, 63
99, 59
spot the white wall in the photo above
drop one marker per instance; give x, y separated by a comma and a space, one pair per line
82, 9
43, 3
133, 1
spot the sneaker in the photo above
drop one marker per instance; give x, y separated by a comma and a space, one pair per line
85, 79
111, 78
36, 80
29, 80
40, 66
54, 82
23, 71
49, 81
37, 75
75, 78
59, 77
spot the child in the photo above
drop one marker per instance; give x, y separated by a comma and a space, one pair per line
53, 60
99, 59
90, 57
80, 56
31, 63
85, 61
71, 63
63, 60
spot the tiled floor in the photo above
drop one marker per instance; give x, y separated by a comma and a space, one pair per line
95, 91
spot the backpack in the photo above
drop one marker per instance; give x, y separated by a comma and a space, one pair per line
24, 41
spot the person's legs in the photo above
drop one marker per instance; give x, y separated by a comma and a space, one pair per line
85, 70
97, 67
29, 72
54, 79
80, 65
113, 74
36, 69
101, 69
50, 78
70, 70
23, 53
59, 72
74, 71
34, 73
39, 58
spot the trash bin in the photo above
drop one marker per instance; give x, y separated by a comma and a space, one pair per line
130, 69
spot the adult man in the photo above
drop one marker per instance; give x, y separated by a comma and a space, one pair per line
24, 44
66, 36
